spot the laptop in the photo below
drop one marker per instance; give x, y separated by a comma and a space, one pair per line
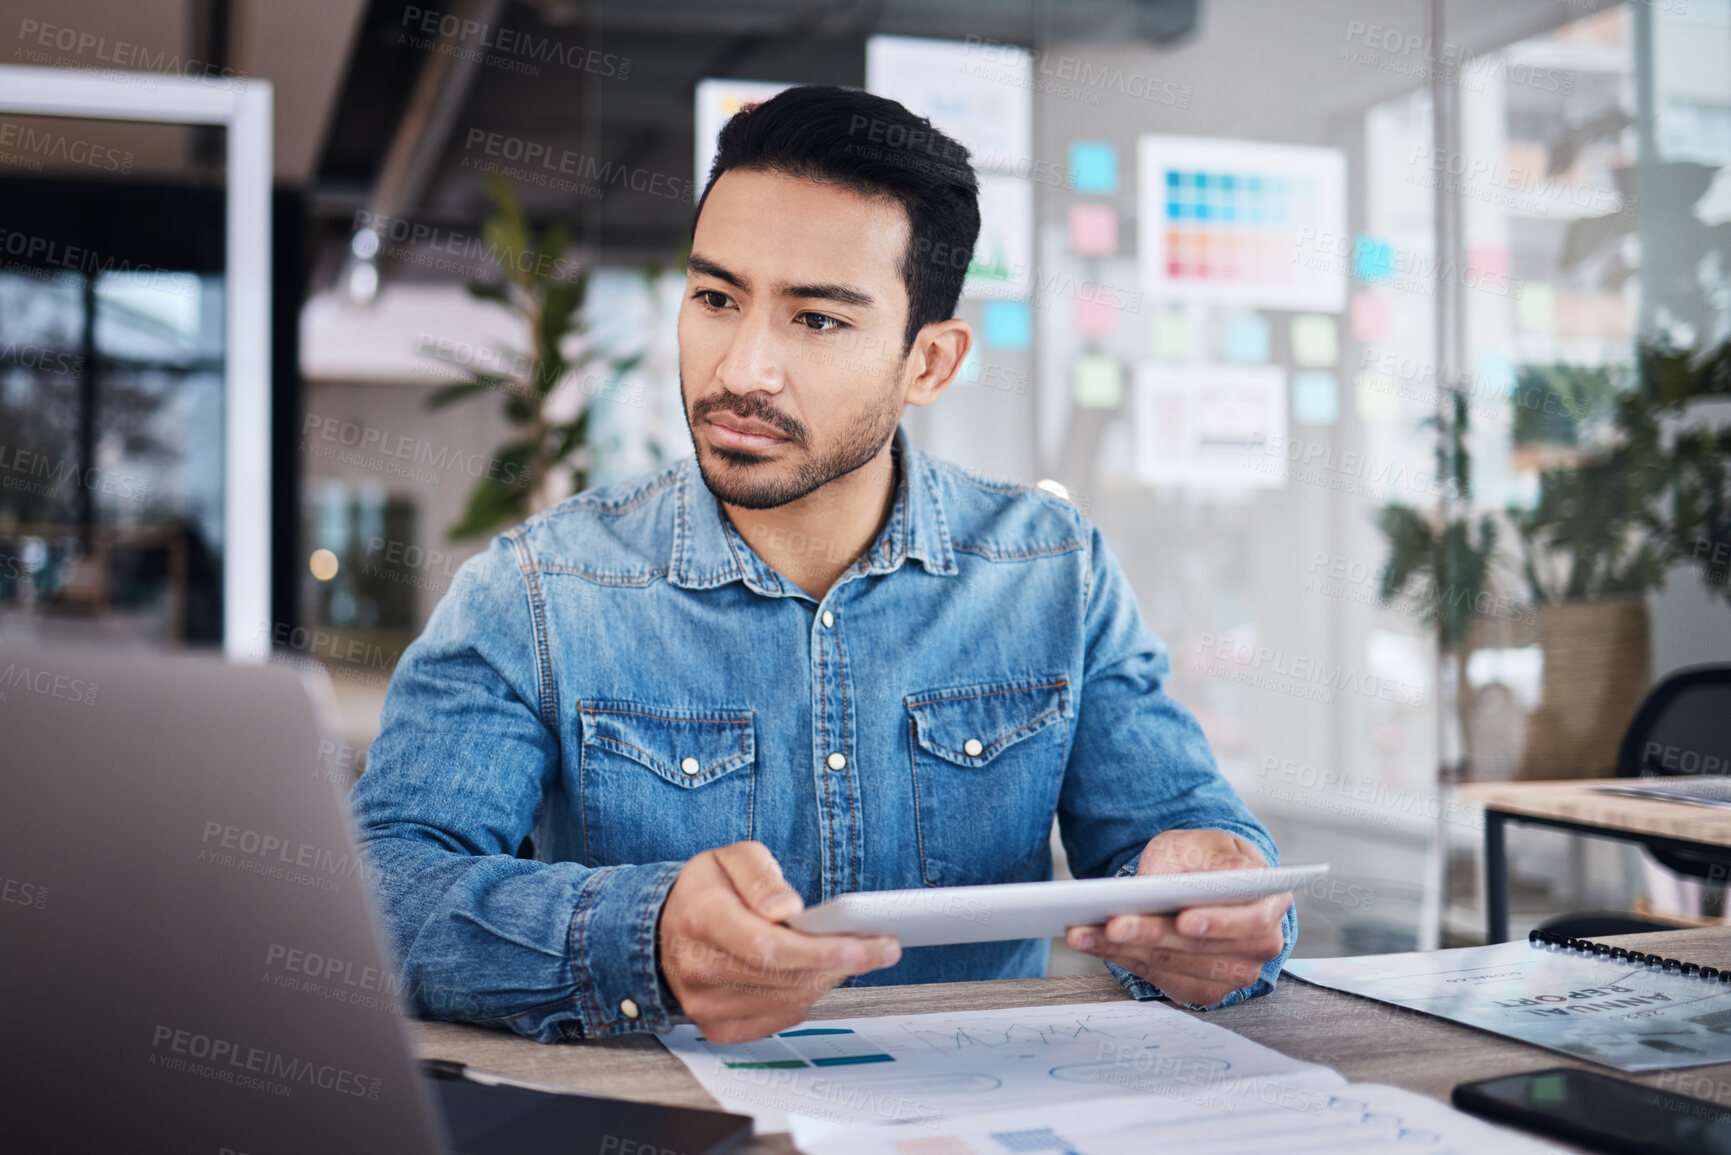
190, 958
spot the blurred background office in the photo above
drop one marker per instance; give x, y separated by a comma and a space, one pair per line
1346, 320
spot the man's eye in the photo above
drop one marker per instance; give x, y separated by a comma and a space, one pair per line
825, 324
711, 298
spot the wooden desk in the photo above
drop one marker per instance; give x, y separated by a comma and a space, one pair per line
1576, 806
1364, 1040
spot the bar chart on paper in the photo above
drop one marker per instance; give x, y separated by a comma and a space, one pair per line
799, 1048
927, 1067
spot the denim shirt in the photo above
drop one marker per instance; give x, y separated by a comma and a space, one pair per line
622, 677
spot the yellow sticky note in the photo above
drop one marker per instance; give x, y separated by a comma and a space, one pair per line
1536, 307
1315, 341
1374, 396
1172, 336
1097, 381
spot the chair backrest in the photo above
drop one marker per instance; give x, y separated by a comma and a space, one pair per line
1684, 727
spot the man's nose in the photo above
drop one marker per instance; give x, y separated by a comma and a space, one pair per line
753, 362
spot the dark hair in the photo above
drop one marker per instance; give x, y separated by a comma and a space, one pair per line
874, 147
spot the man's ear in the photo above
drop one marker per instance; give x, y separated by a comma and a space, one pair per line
938, 353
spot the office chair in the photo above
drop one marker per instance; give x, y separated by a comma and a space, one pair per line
1684, 721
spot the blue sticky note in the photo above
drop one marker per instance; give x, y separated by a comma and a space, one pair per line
1093, 166
1372, 259
1247, 339
1315, 398
1009, 325
1496, 376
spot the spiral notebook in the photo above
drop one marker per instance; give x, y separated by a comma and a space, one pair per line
1594, 1001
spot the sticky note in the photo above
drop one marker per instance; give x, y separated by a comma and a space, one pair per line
1095, 316
1372, 317
1093, 166
1315, 397
1372, 259
1094, 230
1315, 341
1172, 336
1247, 339
1488, 261
1097, 381
1374, 396
1009, 325
1536, 307
1494, 375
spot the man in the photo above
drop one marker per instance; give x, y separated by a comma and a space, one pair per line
812, 661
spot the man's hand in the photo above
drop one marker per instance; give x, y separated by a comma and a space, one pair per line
737, 974
1203, 953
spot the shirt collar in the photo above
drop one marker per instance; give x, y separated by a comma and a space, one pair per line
709, 552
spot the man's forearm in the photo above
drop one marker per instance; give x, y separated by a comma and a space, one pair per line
549, 950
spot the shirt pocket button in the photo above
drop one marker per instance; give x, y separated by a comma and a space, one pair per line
987, 764
660, 784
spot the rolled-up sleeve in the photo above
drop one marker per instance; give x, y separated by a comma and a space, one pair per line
1140, 763
468, 750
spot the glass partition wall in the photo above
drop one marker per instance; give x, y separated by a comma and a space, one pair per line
1342, 322
111, 471
135, 359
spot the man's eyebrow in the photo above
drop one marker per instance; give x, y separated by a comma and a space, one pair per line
830, 291
710, 269
822, 291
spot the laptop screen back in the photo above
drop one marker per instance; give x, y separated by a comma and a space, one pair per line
190, 956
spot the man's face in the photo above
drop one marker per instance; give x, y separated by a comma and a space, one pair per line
791, 335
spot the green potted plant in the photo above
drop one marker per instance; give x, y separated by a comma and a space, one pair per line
1445, 563
537, 288
1617, 510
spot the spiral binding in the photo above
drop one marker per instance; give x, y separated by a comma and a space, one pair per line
1619, 954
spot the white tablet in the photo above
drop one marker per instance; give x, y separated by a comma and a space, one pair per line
953, 914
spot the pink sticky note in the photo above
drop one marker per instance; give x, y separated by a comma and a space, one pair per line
1094, 230
1095, 316
1488, 260
1370, 317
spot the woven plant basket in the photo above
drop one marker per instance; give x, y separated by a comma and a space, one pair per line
1598, 665
1493, 719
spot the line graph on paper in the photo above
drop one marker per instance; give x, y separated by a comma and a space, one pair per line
1031, 1034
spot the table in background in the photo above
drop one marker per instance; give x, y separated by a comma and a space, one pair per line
1577, 807
1366, 1041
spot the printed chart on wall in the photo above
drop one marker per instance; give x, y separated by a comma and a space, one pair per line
979, 94
922, 1068
1244, 223
1206, 426
717, 101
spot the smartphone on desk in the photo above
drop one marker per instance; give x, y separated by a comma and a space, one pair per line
1601, 1113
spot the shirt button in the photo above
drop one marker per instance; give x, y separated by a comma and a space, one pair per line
628, 1008
972, 747
838, 761
690, 766
828, 619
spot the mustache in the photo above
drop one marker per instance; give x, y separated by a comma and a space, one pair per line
751, 405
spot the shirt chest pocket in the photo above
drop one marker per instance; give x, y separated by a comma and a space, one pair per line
987, 763
660, 784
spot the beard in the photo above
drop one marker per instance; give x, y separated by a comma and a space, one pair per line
751, 480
